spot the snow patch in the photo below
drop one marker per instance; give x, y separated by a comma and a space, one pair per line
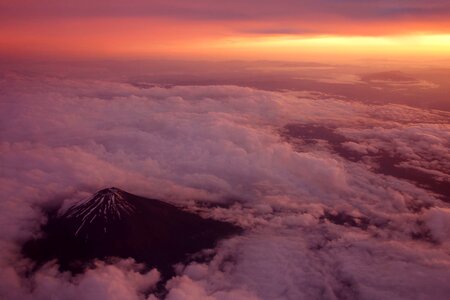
108, 204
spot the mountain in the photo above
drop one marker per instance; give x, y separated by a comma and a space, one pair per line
115, 223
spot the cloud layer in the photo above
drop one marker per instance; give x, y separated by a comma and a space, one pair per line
319, 223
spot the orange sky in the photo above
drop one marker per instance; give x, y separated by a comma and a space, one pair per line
213, 30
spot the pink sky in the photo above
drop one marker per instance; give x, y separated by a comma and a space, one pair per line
231, 29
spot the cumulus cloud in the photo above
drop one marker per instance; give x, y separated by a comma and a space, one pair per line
319, 225
438, 222
122, 280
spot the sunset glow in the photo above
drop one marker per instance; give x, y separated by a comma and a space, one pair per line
141, 43
340, 47
222, 31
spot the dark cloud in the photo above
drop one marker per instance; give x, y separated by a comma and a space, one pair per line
277, 30
230, 10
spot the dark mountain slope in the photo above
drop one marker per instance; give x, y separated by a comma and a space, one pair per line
114, 223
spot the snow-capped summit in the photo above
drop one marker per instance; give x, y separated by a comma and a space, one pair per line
115, 223
104, 207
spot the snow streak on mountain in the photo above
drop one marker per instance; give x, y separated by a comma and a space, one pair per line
107, 205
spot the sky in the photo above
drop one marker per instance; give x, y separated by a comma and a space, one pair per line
226, 30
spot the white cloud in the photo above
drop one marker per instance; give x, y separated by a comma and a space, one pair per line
438, 222
63, 139
123, 280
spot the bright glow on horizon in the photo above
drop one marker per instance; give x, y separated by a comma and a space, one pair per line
340, 47
271, 47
